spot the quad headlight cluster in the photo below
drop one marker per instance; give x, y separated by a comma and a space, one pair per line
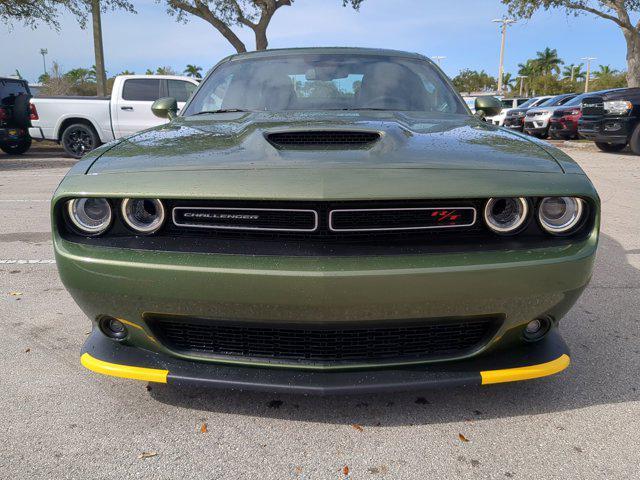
93, 216
502, 215
556, 215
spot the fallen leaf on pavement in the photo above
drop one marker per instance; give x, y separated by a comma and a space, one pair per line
357, 427
463, 438
147, 455
203, 428
27, 350
15, 294
345, 470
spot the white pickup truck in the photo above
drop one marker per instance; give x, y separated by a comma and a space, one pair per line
81, 124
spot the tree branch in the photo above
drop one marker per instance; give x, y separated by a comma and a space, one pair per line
202, 11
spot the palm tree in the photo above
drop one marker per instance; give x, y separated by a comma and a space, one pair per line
165, 71
127, 72
574, 72
548, 61
605, 71
508, 80
193, 71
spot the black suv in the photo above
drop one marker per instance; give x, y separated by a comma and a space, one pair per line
14, 116
612, 119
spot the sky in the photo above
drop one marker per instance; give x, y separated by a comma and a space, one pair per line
460, 30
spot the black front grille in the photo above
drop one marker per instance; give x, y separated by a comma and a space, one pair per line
323, 139
400, 341
260, 219
362, 220
593, 106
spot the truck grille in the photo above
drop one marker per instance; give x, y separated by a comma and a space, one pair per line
592, 106
326, 344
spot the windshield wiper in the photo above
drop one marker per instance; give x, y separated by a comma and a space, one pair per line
221, 110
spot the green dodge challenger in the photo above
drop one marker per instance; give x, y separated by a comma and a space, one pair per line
325, 220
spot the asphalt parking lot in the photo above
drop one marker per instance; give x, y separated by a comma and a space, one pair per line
59, 420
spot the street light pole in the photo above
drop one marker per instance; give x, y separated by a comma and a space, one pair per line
438, 58
586, 82
43, 52
505, 22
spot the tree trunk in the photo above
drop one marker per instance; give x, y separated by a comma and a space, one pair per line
633, 57
101, 75
261, 37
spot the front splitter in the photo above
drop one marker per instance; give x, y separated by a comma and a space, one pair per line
529, 361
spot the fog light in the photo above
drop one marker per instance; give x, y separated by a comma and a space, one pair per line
536, 329
112, 327
533, 327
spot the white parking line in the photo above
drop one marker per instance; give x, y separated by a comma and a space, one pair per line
22, 200
22, 261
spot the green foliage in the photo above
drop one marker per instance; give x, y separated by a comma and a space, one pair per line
166, 70
468, 81
193, 71
224, 15
33, 12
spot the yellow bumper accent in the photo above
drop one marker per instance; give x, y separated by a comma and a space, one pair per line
124, 371
525, 373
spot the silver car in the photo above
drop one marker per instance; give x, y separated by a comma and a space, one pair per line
536, 120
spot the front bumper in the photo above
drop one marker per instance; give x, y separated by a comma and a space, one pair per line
563, 128
518, 286
514, 123
615, 130
540, 359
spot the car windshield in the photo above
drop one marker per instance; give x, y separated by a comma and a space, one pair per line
326, 82
529, 102
577, 100
557, 100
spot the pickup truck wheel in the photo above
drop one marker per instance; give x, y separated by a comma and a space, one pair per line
16, 148
78, 139
611, 147
634, 141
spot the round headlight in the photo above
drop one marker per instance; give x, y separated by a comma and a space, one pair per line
144, 215
91, 216
506, 215
559, 215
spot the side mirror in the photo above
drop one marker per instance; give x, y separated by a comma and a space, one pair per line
487, 106
166, 107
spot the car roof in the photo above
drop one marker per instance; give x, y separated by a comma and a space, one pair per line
276, 52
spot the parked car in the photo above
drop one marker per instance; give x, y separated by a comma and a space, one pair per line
14, 116
514, 118
507, 105
563, 123
325, 220
81, 124
612, 119
536, 120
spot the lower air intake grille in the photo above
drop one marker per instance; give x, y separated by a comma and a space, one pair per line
323, 139
325, 345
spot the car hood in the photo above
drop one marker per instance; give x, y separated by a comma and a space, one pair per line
238, 141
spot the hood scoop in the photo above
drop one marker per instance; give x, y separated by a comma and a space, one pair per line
323, 139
